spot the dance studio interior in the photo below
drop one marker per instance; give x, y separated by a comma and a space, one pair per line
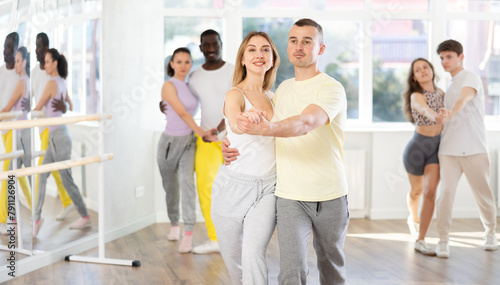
117, 53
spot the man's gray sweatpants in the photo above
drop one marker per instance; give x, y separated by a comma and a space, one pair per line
176, 162
328, 220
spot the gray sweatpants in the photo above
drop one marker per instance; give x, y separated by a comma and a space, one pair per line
176, 162
24, 143
244, 216
328, 221
59, 149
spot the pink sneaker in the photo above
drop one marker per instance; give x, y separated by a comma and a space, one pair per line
174, 234
186, 244
81, 223
36, 228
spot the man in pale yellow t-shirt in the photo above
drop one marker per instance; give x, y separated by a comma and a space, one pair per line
310, 112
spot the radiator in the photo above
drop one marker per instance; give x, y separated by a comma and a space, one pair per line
355, 166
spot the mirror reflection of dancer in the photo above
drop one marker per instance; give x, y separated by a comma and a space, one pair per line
463, 148
177, 146
311, 187
9, 80
243, 201
59, 140
23, 138
422, 104
39, 79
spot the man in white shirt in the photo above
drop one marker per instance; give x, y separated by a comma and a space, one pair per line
463, 148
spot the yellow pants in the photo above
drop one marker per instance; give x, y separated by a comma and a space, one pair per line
7, 142
65, 199
208, 159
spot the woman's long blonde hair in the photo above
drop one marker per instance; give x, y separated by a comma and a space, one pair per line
240, 71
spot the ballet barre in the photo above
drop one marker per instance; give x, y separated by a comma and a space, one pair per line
18, 154
10, 115
55, 166
45, 122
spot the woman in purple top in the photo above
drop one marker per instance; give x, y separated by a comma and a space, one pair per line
60, 143
176, 148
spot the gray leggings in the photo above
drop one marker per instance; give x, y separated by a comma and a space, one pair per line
176, 162
24, 143
59, 150
244, 216
328, 220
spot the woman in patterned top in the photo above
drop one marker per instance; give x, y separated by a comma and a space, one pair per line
422, 104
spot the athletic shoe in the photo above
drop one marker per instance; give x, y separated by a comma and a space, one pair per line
186, 244
208, 247
423, 248
36, 228
443, 249
490, 242
81, 223
174, 234
414, 227
64, 212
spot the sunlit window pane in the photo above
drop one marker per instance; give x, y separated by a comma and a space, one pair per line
198, 4
338, 4
5, 12
272, 4
485, 6
481, 42
76, 68
395, 6
394, 48
92, 74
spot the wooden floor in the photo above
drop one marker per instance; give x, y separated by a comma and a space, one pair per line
377, 252
53, 233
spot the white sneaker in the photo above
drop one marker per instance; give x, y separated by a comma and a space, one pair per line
423, 248
64, 212
414, 227
443, 249
208, 247
81, 223
490, 242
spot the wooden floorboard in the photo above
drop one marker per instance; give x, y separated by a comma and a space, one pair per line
377, 252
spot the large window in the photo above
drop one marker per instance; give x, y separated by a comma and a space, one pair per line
370, 44
394, 48
481, 42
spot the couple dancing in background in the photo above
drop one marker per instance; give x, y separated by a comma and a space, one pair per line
449, 139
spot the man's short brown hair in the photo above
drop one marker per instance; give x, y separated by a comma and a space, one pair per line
450, 45
309, 22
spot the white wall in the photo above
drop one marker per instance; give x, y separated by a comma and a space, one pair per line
387, 182
132, 78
